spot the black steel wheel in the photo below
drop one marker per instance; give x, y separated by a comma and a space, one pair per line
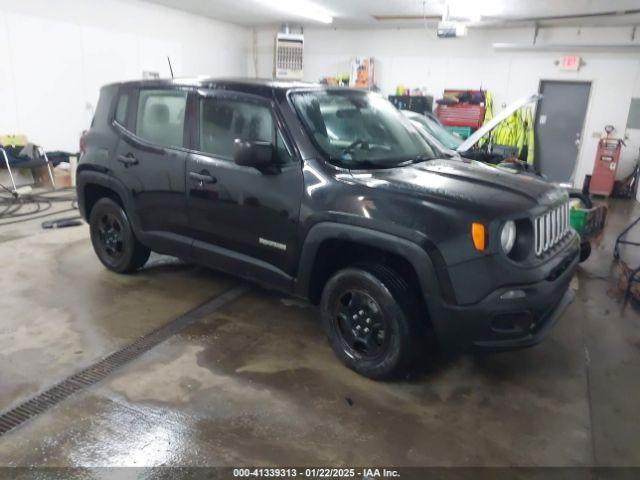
369, 314
362, 327
110, 236
113, 239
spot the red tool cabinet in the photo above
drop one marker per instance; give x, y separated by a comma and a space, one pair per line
461, 114
465, 115
604, 170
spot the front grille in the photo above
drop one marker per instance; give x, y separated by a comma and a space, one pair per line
550, 228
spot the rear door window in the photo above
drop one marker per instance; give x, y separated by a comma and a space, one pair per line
161, 116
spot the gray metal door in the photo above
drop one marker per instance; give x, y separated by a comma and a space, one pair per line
559, 123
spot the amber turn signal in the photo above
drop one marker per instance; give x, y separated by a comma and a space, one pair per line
479, 236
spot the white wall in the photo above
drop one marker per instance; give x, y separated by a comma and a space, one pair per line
416, 58
57, 54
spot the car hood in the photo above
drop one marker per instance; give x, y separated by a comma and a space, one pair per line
464, 180
495, 121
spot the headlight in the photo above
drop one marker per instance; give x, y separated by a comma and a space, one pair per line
508, 236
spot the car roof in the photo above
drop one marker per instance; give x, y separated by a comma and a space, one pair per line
265, 87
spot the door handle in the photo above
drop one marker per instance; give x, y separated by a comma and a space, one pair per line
202, 178
127, 160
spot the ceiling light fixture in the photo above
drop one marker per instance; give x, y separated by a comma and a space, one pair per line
300, 8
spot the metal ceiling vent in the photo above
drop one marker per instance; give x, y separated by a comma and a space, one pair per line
288, 58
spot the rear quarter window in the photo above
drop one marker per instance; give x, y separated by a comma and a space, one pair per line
122, 108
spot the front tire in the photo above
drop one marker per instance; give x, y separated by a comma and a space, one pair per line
369, 315
585, 251
113, 240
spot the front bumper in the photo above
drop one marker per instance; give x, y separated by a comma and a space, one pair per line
499, 323
528, 337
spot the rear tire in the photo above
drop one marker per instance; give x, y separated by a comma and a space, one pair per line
369, 314
113, 239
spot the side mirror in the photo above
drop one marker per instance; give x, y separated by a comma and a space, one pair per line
254, 154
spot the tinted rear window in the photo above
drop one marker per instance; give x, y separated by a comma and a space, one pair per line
161, 117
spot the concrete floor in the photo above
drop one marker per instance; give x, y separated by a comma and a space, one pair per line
257, 384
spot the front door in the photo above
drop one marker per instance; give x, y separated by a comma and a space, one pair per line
559, 123
238, 212
150, 160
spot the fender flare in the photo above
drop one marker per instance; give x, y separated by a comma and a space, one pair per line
426, 259
91, 177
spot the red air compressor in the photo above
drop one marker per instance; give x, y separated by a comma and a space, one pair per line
604, 170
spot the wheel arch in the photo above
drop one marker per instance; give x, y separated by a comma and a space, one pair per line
92, 185
330, 246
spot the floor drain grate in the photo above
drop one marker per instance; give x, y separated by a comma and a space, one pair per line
101, 369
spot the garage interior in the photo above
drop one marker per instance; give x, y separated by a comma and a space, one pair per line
179, 365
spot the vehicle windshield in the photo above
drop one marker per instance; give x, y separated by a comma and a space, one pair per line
444, 136
360, 129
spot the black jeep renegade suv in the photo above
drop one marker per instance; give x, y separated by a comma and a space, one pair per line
331, 195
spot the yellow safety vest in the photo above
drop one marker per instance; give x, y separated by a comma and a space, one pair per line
510, 133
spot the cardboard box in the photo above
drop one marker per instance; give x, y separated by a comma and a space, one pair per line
61, 176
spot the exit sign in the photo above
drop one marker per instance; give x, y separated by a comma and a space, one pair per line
570, 63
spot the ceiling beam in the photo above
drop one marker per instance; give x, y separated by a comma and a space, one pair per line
506, 19
565, 47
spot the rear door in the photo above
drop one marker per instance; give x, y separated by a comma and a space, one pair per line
150, 159
236, 208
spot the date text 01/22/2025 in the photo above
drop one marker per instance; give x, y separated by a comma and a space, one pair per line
364, 473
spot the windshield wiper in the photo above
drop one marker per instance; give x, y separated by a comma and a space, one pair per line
416, 159
365, 163
422, 158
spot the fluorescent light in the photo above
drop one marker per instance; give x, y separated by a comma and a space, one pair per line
300, 8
